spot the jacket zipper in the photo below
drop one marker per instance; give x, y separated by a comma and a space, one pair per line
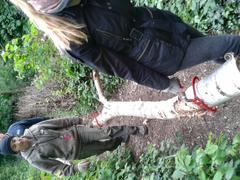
143, 52
113, 35
38, 143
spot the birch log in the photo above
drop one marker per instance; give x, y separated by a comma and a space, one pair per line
217, 88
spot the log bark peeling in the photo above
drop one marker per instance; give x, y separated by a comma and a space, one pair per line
215, 89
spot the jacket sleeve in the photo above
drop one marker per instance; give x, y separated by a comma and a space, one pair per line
194, 33
54, 166
60, 123
17, 128
114, 63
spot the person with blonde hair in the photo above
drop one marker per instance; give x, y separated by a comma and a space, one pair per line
142, 44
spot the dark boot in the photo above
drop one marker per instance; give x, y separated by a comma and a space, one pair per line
124, 132
142, 130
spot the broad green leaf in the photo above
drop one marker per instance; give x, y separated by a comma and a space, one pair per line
211, 149
178, 174
229, 174
236, 139
202, 175
188, 160
218, 175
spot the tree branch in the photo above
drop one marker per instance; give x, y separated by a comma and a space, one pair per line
98, 86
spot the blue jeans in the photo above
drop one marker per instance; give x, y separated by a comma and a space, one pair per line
208, 48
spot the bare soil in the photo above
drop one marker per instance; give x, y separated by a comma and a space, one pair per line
191, 132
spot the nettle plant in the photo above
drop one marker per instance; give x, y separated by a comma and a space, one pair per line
209, 16
218, 160
11, 22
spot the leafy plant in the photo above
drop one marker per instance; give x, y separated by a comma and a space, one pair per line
15, 168
42, 62
219, 160
12, 23
10, 87
5, 112
157, 163
209, 16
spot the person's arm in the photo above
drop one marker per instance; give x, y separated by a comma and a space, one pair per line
114, 63
54, 166
59, 123
17, 128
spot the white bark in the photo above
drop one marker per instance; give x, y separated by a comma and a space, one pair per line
221, 86
97, 83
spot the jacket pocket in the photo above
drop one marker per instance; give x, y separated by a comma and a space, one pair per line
109, 35
144, 50
113, 41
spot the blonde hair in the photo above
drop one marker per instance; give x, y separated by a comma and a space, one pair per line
59, 29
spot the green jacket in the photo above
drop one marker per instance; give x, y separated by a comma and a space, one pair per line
51, 139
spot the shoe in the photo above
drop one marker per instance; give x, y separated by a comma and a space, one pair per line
142, 130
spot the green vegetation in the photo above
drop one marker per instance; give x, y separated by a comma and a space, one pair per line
220, 159
10, 87
209, 16
5, 112
12, 23
13, 168
34, 57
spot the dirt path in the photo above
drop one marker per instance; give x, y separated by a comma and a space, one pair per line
192, 131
